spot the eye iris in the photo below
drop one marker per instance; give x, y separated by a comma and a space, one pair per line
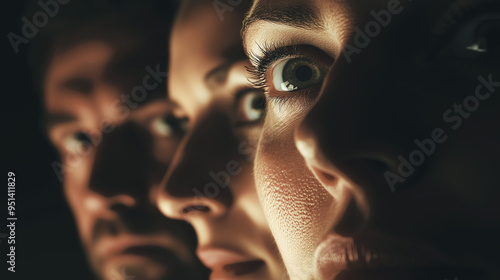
84, 138
78, 143
297, 74
162, 126
255, 105
258, 103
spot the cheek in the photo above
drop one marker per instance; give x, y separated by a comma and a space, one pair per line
76, 175
297, 207
467, 164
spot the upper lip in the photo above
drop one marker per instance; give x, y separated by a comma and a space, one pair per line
373, 251
227, 262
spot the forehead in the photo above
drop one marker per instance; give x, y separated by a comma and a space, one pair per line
203, 39
326, 17
89, 81
85, 61
201, 33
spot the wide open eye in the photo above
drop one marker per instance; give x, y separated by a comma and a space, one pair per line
77, 143
251, 106
479, 36
297, 73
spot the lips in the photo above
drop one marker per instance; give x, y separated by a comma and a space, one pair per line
385, 257
226, 264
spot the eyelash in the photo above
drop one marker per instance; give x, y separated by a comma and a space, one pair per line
276, 51
261, 63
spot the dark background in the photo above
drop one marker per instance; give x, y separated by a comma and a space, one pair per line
47, 245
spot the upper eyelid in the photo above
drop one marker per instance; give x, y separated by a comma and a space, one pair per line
271, 53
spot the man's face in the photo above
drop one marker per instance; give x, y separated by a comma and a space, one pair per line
389, 112
109, 120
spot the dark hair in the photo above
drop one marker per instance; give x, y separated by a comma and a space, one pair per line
126, 24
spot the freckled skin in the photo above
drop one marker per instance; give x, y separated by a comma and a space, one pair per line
372, 107
296, 205
232, 218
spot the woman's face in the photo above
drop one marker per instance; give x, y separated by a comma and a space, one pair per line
210, 182
380, 146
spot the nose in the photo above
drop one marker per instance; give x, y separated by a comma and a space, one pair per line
198, 180
123, 172
363, 118
352, 208
358, 126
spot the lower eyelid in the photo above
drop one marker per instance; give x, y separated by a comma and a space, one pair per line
295, 101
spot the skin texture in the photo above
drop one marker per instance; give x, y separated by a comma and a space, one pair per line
114, 152
321, 169
209, 87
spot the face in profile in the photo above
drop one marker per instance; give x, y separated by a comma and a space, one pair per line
380, 145
210, 182
108, 117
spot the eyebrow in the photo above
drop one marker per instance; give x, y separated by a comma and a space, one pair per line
218, 75
54, 119
299, 16
80, 84
231, 55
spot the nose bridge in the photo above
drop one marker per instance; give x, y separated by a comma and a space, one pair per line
200, 177
335, 121
124, 163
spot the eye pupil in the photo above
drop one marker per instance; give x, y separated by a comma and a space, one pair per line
303, 73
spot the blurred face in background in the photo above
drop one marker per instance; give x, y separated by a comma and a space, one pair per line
380, 147
210, 182
109, 119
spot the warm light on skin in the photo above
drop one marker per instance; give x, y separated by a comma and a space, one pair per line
206, 72
94, 205
320, 166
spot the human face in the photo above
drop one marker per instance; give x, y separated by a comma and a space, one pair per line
379, 152
115, 146
210, 182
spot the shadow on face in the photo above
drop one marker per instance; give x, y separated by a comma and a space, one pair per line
395, 115
210, 182
107, 115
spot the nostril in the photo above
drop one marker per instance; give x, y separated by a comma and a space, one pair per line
327, 176
197, 208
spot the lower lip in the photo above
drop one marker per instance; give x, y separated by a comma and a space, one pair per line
126, 266
237, 270
148, 261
